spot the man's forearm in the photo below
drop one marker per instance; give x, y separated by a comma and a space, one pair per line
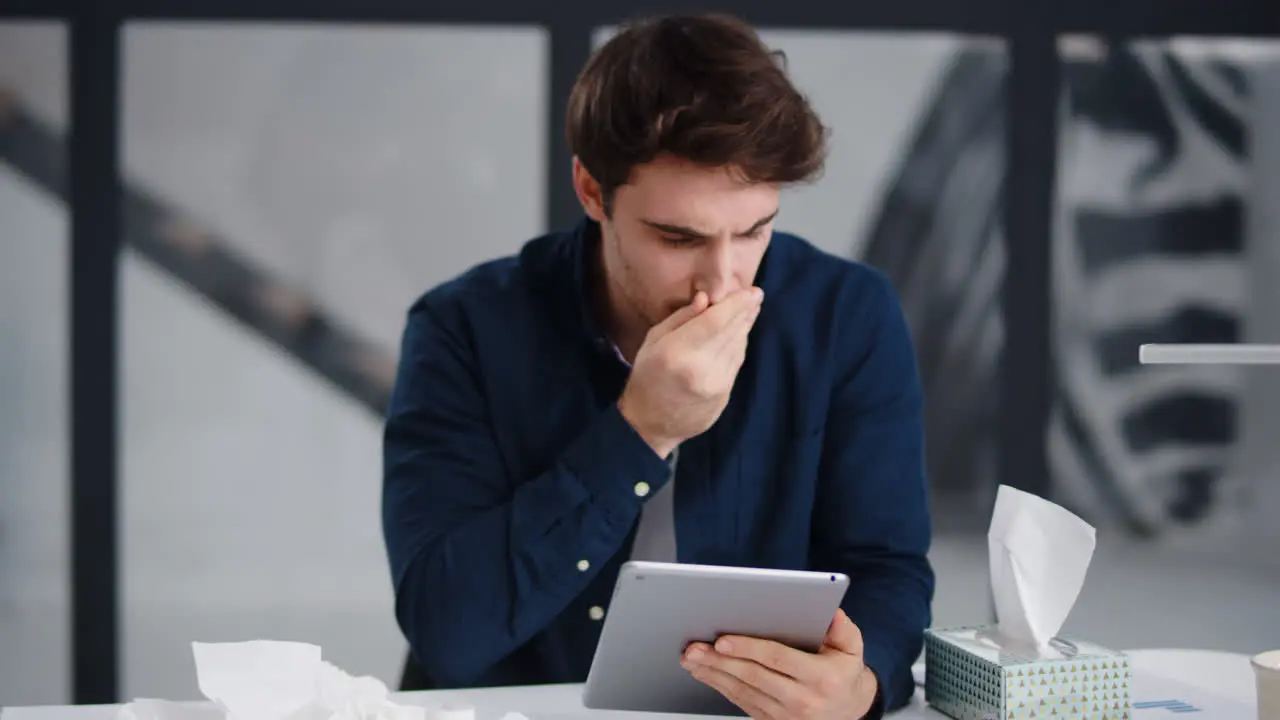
891, 606
483, 581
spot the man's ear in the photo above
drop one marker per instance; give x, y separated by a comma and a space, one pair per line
589, 192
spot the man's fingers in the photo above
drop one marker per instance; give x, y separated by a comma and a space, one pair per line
733, 334
786, 690
775, 656
843, 635
732, 351
695, 307
753, 702
747, 688
721, 316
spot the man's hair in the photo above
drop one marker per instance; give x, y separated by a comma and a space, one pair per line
703, 88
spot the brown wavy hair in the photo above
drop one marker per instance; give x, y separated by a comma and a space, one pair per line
701, 87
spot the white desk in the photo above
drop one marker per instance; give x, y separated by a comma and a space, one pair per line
1224, 674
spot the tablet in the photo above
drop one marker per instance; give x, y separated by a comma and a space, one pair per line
659, 608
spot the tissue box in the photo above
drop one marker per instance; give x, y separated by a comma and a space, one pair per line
969, 675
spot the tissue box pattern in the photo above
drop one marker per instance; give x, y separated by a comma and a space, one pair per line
970, 679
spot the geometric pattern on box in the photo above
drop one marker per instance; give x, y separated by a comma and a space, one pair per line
969, 677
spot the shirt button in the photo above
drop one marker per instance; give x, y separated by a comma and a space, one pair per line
642, 488
583, 565
596, 612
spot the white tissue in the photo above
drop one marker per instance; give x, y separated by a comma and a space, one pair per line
1039, 554
269, 680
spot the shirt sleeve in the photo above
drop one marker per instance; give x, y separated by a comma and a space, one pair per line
872, 510
482, 561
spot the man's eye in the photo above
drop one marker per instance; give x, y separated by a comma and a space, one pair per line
677, 241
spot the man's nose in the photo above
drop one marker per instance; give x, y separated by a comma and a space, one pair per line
716, 274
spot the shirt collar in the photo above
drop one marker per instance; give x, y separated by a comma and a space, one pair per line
584, 243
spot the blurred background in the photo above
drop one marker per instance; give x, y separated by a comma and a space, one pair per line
289, 189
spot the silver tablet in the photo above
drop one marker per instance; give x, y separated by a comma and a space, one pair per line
659, 608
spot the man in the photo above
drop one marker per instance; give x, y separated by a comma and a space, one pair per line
669, 380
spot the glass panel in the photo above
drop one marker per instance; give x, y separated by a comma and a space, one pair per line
292, 190
34, 305
1166, 232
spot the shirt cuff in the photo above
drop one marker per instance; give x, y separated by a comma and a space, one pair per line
876, 711
616, 465
876, 659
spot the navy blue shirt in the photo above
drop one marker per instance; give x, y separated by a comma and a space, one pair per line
509, 489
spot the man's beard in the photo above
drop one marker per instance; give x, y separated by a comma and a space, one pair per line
652, 312
647, 310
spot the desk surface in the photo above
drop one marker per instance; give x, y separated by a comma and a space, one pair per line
1224, 674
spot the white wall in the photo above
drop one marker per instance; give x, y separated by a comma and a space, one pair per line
1260, 414
35, 523
34, 512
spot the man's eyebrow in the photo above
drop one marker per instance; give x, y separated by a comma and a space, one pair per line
685, 231
762, 222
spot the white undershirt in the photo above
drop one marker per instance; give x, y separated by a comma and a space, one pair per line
656, 536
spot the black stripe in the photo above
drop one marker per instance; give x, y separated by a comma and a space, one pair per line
1183, 418
1195, 493
1095, 468
94, 264
1118, 349
1155, 18
982, 17
570, 50
1189, 231
1120, 95
1111, 18
38, 9
29, 149
1026, 363
1221, 124
1231, 73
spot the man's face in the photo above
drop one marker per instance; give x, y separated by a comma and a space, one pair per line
677, 228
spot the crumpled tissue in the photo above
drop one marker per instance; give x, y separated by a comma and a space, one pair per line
274, 680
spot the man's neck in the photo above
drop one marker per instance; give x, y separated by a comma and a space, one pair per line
624, 329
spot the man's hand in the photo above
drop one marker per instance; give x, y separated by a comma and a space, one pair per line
684, 371
776, 682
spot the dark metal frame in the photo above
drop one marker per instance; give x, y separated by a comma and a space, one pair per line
1030, 26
